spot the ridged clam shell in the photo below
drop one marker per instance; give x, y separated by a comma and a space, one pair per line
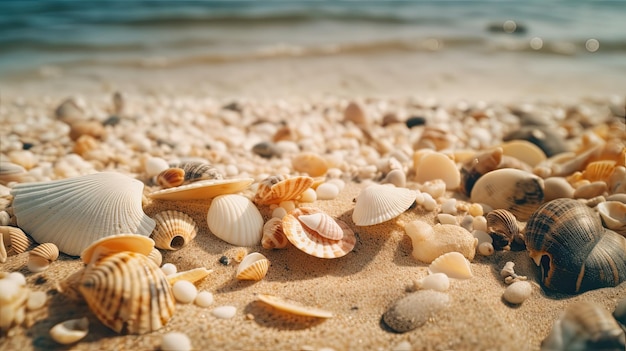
195, 171
293, 307
203, 189
273, 236
41, 256
117, 243
599, 170
503, 228
613, 214
379, 203
73, 213
236, 220
322, 224
514, 190
275, 189
253, 267
310, 241
173, 230
13, 240
128, 293
452, 264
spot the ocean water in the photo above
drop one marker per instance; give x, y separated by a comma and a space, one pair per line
39, 38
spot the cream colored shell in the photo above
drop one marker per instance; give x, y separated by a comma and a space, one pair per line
289, 306
524, 151
70, 331
613, 214
430, 242
253, 267
436, 165
173, 230
310, 241
379, 203
236, 220
117, 243
322, 224
73, 213
203, 189
13, 240
452, 264
279, 188
41, 256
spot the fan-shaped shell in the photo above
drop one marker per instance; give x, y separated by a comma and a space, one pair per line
41, 256
613, 214
293, 307
203, 189
236, 220
253, 267
503, 228
322, 224
379, 203
279, 188
128, 293
13, 240
173, 230
566, 239
73, 213
310, 241
514, 190
117, 243
437, 166
599, 170
273, 236
452, 264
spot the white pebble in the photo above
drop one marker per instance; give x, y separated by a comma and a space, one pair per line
486, 249
184, 291
204, 299
429, 203
36, 300
517, 292
436, 188
155, 165
279, 212
482, 236
467, 222
287, 205
435, 281
403, 346
476, 210
480, 223
169, 268
338, 182
419, 197
5, 218
175, 341
309, 195
449, 206
327, 191
445, 218
231, 170
224, 312
17, 277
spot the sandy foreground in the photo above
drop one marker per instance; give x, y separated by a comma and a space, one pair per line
356, 288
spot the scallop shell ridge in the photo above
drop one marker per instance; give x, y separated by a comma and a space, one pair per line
173, 230
379, 203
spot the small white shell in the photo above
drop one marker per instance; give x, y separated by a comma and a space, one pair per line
379, 203
175, 341
236, 220
517, 292
613, 214
273, 236
293, 307
173, 230
436, 165
204, 299
41, 256
72, 213
452, 264
323, 224
184, 291
202, 189
224, 312
70, 331
435, 281
253, 267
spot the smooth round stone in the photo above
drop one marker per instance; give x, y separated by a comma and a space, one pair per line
415, 121
155, 165
557, 187
279, 212
224, 312
517, 292
415, 309
17, 277
36, 300
175, 341
486, 249
169, 268
338, 182
445, 218
327, 191
429, 203
480, 223
204, 299
309, 195
184, 291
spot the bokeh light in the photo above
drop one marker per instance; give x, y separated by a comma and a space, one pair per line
536, 43
592, 45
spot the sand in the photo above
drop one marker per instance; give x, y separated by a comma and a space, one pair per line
356, 288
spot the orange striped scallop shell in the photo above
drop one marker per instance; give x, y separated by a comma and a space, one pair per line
275, 189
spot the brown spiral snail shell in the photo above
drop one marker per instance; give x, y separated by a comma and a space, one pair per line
566, 239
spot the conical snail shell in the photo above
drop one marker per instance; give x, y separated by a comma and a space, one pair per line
128, 293
566, 238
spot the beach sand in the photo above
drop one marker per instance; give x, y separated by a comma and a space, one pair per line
357, 288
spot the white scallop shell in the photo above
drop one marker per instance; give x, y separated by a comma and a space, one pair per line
452, 264
203, 189
253, 267
73, 213
236, 220
293, 307
379, 203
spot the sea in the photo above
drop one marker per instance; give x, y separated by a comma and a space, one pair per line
41, 38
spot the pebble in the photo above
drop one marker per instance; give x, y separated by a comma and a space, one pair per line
266, 149
175, 341
449, 206
224, 312
204, 299
429, 203
327, 191
415, 121
445, 218
155, 165
309, 195
556, 187
475, 210
486, 249
36, 300
435, 281
517, 292
480, 223
5, 218
340, 184
279, 212
184, 291
169, 268
415, 309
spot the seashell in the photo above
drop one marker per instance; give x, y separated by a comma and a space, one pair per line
437, 282
193, 275
524, 151
310, 163
41, 256
379, 203
355, 113
477, 166
73, 213
322, 224
273, 236
173, 230
128, 293
430, 242
171, 177
434, 138
203, 189
13, 296
395, 177
514, 190
548, 140
620, 311
235, 219
452, 264
599, 170
253, 267
279, 188
196, 171
517, 292
415, 309
13, 240
311, 241
503, 228
155, 256
293, 307
617, 181
585, 326
613, 215
70, 331
556, 187
11, 172
437, 166
566, 239
117, 243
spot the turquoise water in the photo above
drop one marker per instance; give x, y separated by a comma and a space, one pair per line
70, 34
